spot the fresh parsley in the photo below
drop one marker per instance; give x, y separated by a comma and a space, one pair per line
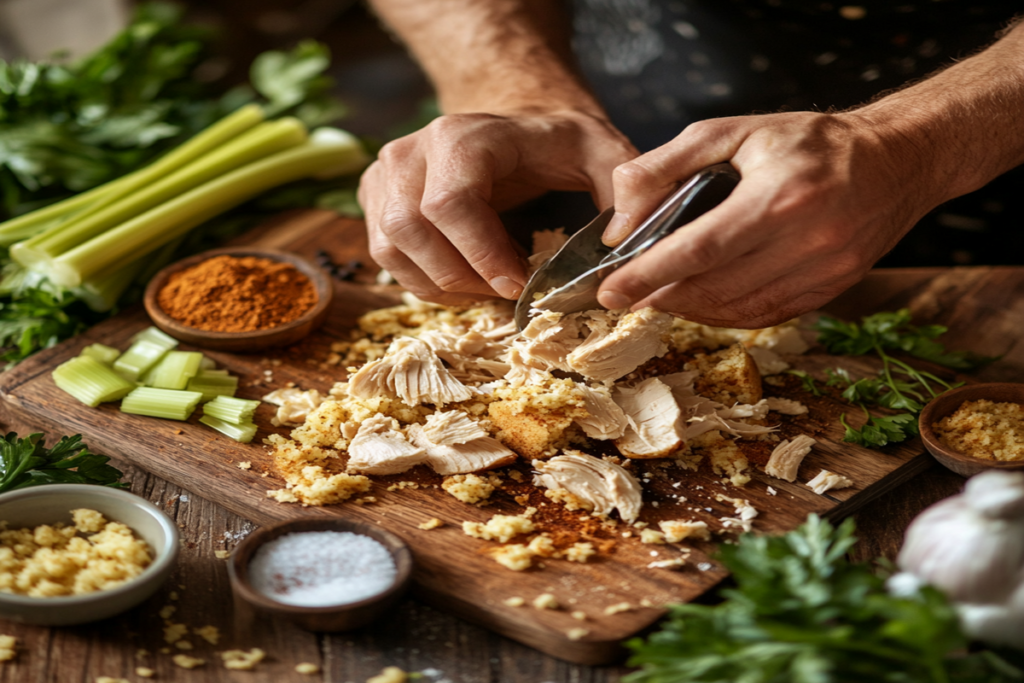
27, 462
801, 613
899, 386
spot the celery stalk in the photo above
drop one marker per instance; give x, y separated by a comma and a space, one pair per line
157, 336
242, 433
229, 409
174, 370
101, 352
166, 403
90, 381
101, 293
264, 140
138, 359
78, 206
213, 385
328, 152
207, 365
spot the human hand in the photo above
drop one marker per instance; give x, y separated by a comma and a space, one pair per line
432, 198
822, 197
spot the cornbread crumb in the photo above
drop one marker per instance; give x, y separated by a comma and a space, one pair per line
307, 668
241, 660
499, 528
515, 556
245, 465
183, 645
676, 530
580, 552
145, 672
471, 488
432, 523
8, 648
579, 615
514, 601
210, 634
174, 632
618, 607
516, 475
545, 601
651, 536
167, 611
53, 560
985, 429
187, 662
109, 679
222, 554
390, 674
577, 633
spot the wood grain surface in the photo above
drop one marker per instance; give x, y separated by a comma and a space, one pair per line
938, 296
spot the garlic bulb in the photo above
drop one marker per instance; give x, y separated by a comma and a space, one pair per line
971, 546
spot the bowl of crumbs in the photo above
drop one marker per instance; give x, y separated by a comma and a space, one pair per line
322, 574
75, 553
239, 299
976, 427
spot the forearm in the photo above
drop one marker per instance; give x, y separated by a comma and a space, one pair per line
492, 55
965, 125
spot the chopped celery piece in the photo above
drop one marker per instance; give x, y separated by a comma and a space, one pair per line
166, 403
212, 386
101, 352
213, 373
140, 357
242, 433
174, 370
233, 410
156, 336
90, 381
207, 364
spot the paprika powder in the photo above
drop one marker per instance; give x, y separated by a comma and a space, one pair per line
237, 294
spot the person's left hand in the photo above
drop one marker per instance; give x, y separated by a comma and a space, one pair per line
822, 197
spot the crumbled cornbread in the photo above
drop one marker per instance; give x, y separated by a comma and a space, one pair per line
8, 648
241, 660
110, 679
566, 498
390, 674
545, 601
515, 556
579, 615
245, 465
580, 552
184, 645
514, 601
432, 523
651, 536
187, 662
145, 672
985, 429
619, 607
174, 632
222, 554
577, 633
676, 530
307, 668
534, 419
210, 634
167, 611
499, 528
471, 488
53, 560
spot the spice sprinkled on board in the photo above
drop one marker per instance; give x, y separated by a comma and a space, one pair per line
237, 294
318, 568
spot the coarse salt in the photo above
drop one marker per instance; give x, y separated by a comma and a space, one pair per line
318, 568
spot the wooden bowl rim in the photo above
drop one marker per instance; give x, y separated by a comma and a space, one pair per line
945, 404
238, 566
316, 275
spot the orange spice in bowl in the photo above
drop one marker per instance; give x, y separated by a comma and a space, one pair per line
228, 293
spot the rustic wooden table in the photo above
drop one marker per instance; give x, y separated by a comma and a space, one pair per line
982, 305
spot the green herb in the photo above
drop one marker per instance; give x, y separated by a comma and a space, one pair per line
899, 386
27, 462
801, 613
809, 383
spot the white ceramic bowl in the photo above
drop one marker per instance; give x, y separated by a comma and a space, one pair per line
53, 503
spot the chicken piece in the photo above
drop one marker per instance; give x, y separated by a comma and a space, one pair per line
548, 339
676, 530
826, 481
786, 458
605, 419
461, 458
601, 484
608, 354
768, 362
380, 448
452, 427
471, 355
521, 371
729, 376
786, 406
410, 371
655, 420
293, 405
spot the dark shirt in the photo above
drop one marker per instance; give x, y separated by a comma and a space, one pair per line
660, 65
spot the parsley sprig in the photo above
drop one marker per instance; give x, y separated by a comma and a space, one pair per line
27, 462
899, 386
801, 613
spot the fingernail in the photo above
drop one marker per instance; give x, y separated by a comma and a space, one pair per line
506, 287
613, 300
617, 230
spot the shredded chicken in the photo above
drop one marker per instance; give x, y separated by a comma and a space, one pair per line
599, 484
786, 458
452, 427
379, 447
655, 421
410, 371
786, 406
605, 419
608, 354
461, 458
293, 405
826, 481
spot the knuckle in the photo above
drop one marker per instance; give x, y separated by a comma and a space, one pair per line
401, 225
395, 152
634, 174
440, 203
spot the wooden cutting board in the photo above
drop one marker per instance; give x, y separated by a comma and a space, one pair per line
453, 571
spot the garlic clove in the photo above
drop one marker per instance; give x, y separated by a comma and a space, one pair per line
996, 494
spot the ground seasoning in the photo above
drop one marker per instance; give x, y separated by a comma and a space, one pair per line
237, 294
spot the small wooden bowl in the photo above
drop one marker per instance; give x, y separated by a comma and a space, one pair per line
945, 405
241, 342
344, 617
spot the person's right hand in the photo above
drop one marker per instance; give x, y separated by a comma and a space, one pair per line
432, 198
